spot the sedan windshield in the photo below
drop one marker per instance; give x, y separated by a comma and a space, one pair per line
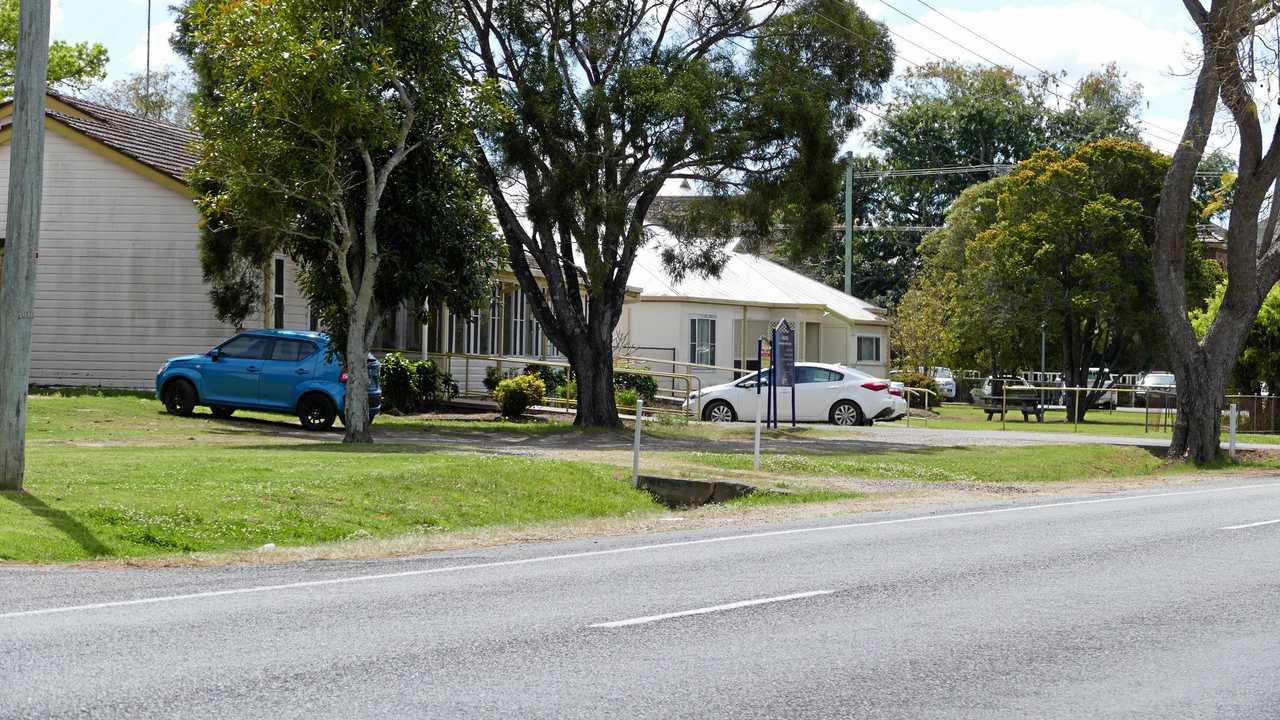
1160, 379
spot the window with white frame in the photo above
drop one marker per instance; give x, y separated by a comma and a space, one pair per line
702, 340
868, 348
277, 300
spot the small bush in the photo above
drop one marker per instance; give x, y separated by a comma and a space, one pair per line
923, 382
625, 397
410, 386
515, 395
570, 390
491, 379
552, 378
644, 385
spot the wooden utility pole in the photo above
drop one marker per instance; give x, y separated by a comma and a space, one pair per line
22, 236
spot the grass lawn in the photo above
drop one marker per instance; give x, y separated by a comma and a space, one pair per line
114, 476
1041, 464
957, 416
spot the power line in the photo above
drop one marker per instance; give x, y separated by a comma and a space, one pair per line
1154, 129
1002, 49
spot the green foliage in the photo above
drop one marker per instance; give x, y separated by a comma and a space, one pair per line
922, 382
742, 97
625, 397
1065, 240
336, 133
645, 386
552, 378
1259, 360
492, 376
412, 386
75, 66
517, 394
946, 114
570, 390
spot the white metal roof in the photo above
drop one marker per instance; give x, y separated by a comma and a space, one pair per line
746, 280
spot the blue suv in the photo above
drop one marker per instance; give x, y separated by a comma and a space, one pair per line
285, 371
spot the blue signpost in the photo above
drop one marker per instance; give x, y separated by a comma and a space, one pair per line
784, 359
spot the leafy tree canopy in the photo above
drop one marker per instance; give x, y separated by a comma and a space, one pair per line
71, 65
611, 99
335, 131
1260, 357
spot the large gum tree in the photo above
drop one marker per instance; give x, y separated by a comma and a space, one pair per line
609, 100
1203, 367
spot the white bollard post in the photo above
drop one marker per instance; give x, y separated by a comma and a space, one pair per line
759, 403
1231, 436
635, 447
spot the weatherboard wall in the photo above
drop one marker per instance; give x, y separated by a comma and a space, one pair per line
119, 286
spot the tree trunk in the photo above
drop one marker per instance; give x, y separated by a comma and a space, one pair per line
1202, 387
592, 362
356, 414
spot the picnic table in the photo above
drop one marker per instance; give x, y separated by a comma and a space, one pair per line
1012, 395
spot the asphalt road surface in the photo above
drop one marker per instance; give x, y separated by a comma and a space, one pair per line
1163, 604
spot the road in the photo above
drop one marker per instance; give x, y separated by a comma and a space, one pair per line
1157, 604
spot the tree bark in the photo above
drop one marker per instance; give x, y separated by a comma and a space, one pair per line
18, 290
592, 363
356, 414
1202, 387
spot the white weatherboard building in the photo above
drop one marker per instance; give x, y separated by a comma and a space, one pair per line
702, 320
119, 287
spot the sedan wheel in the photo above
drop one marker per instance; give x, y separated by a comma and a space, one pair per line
719, 411
846, 413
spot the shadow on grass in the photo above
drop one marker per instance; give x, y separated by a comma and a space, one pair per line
61, 521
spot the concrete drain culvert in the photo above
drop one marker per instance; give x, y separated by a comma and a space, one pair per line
682, 493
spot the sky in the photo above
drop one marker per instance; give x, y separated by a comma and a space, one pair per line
1148, 39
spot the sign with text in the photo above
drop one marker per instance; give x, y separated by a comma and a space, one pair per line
784, 354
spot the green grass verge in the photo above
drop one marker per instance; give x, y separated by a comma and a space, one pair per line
1048, 464
957, 416
127, 502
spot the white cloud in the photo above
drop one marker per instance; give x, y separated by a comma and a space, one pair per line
161, 53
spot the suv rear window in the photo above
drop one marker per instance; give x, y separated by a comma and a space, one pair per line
292, 350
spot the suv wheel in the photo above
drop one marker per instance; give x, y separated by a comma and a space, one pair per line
316, 412
719, 411
222, 412
846, 413
180, 397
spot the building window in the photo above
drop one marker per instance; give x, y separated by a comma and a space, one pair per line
435, 325
702, 341
313, 318
277, 304
869, 348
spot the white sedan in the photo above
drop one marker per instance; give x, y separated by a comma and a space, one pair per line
832, 393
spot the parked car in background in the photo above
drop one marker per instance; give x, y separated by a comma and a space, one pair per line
830, 393
281, 371
1157, 388
945, 381
1108, 400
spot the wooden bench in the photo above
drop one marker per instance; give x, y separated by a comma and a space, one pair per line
1025, 401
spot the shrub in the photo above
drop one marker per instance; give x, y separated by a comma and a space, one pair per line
410, 386
924, 382
552, 377
644, 385
515, 395
435, 386
399, 385
570, 390
492, 377
625, 397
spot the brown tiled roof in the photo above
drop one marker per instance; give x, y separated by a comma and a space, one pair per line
157, 144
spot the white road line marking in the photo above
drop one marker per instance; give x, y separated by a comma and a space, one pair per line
618, 551
713, 608
1251, 525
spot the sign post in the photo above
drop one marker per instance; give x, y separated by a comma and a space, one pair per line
785, 353
762, 355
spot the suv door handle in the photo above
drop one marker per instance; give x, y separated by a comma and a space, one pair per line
251, 369
301, 371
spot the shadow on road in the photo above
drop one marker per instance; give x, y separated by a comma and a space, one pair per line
64, 523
